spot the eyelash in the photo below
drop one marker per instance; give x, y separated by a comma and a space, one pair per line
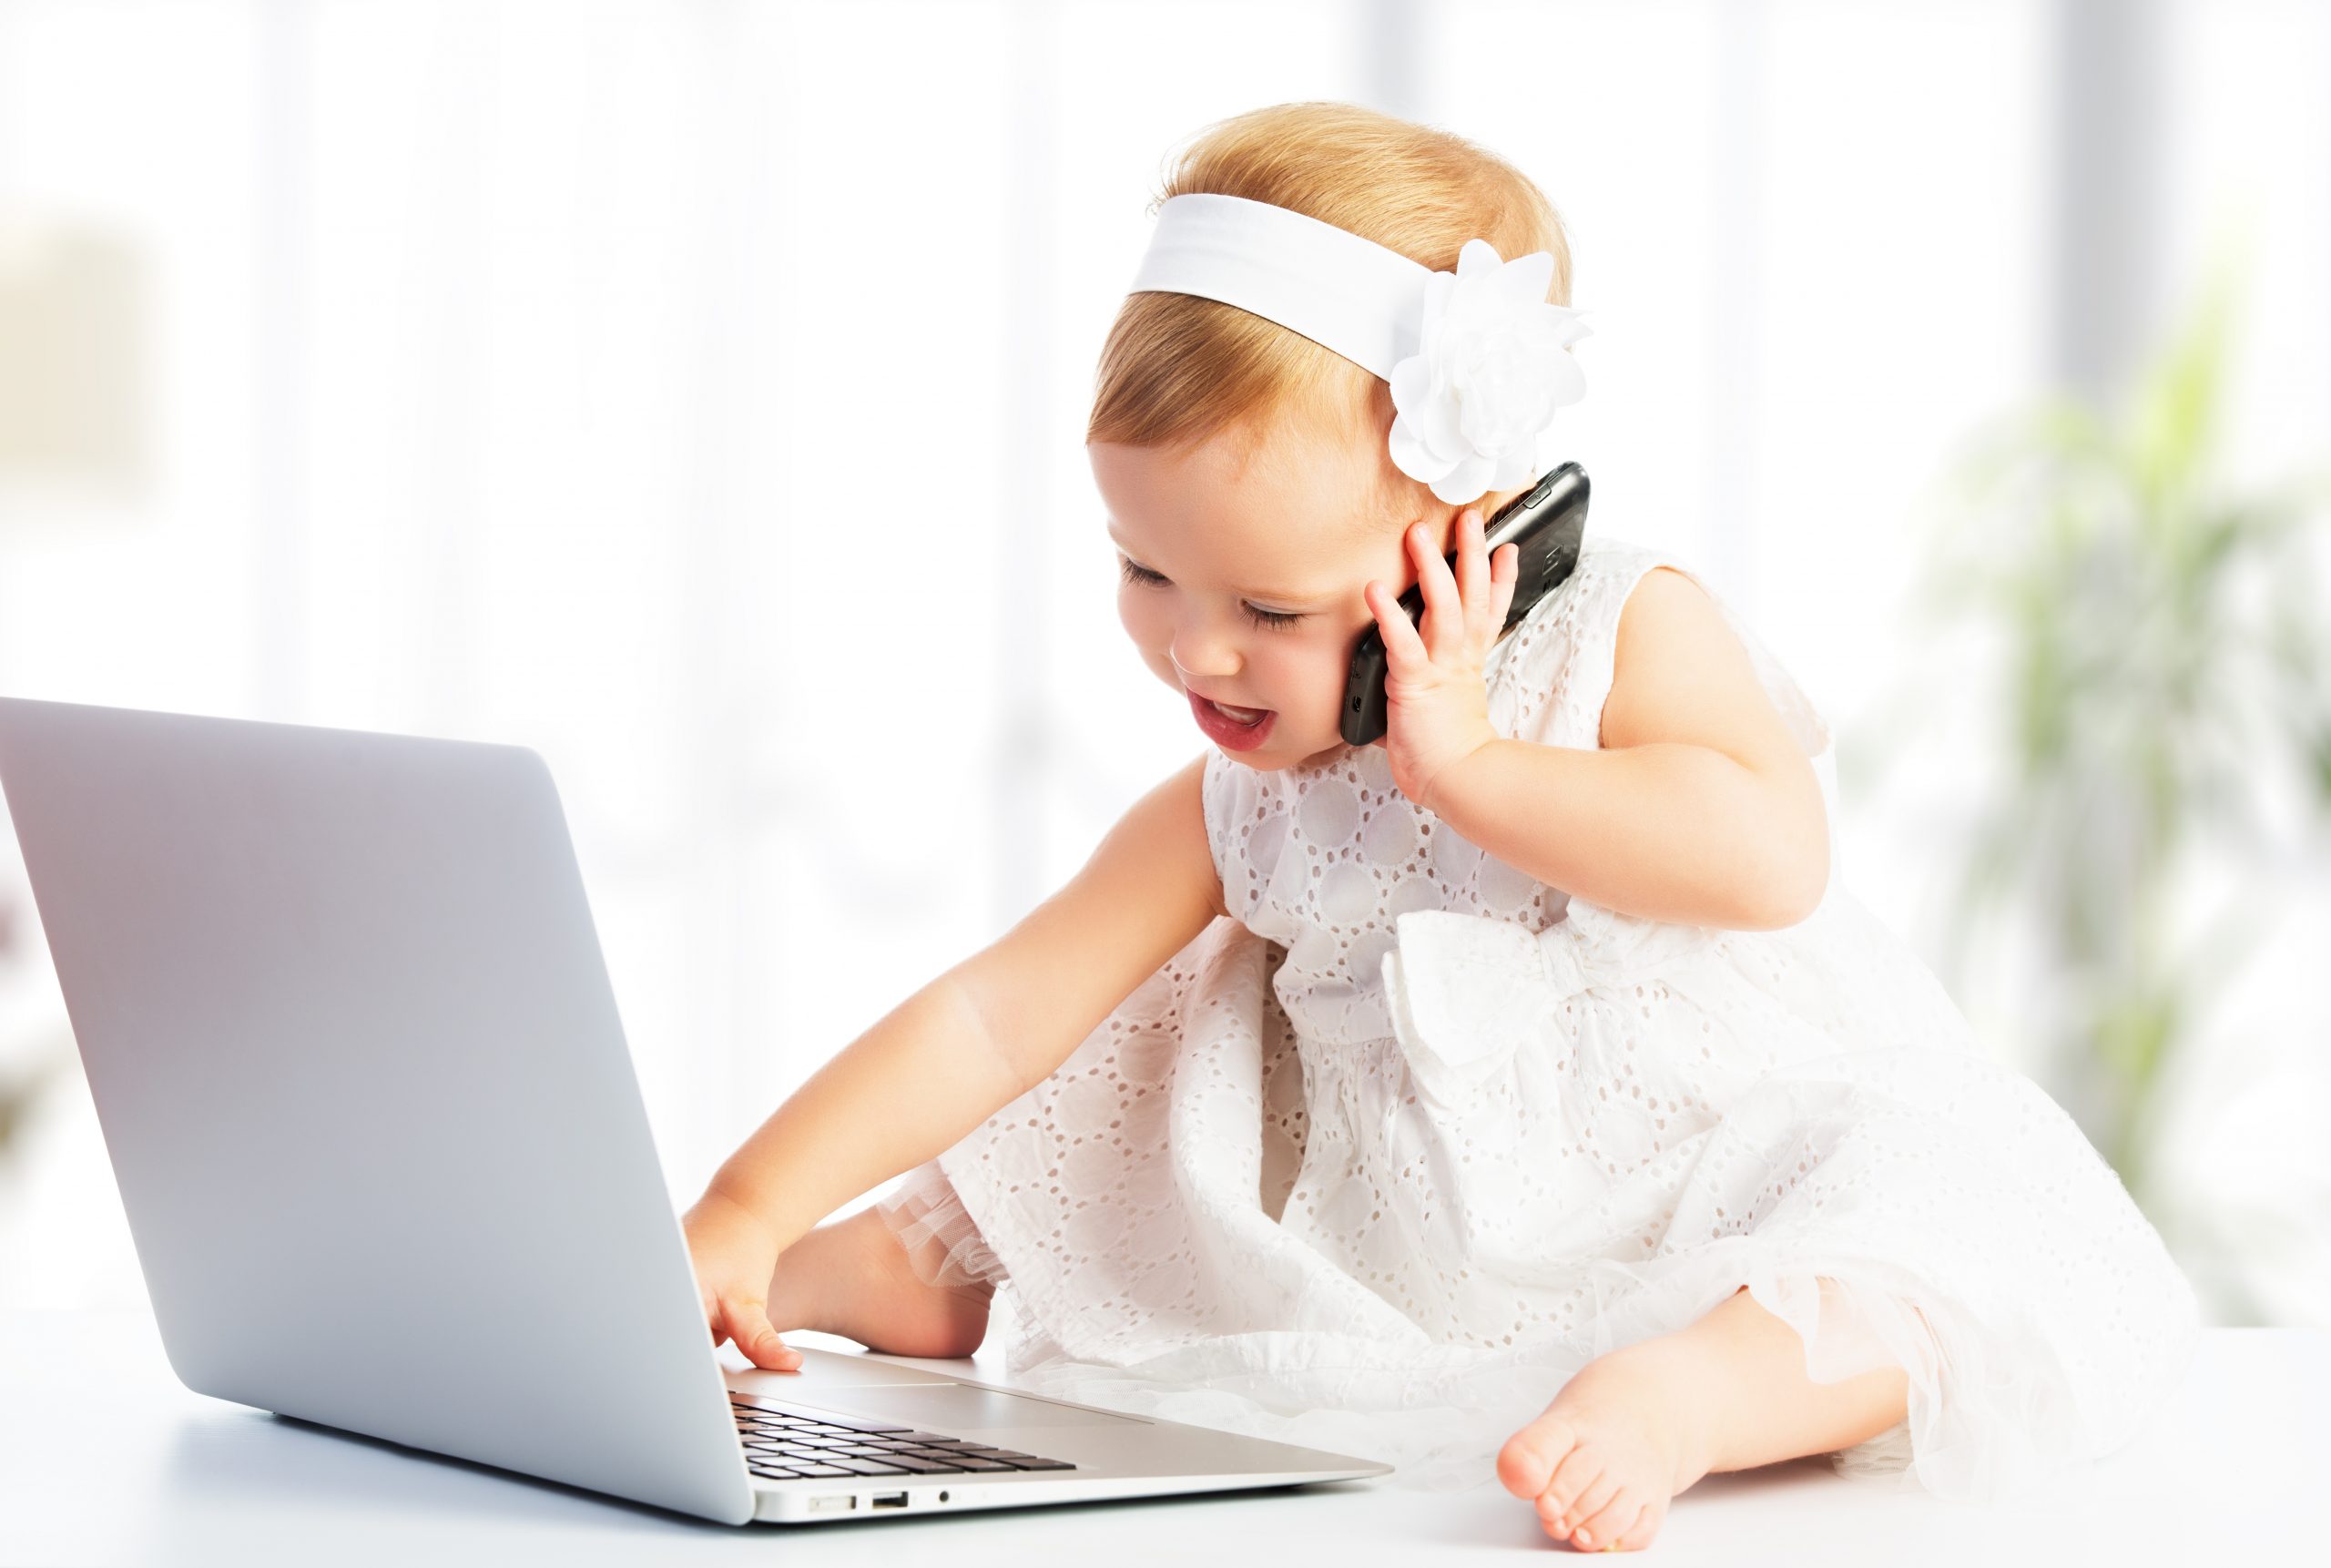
1277, 620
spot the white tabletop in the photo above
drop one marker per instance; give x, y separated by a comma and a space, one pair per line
106, 1458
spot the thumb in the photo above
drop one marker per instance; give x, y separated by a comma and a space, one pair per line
757, 1337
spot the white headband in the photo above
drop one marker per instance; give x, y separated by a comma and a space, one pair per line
1478, 360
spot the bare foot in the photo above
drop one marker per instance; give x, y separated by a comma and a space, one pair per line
853, 1277
1625, 1435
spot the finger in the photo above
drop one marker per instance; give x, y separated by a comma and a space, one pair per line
769, 1350
1442, 609
1473, 563
1484, 608
1402, 646
757, 1337
1505, 570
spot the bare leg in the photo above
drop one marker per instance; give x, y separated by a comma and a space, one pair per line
1641, 1424
853, 1277
1770, 1411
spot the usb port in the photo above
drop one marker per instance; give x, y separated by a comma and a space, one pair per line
890, 1500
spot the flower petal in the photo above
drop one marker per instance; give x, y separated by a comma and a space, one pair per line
1411, 381
1524, 282
1477, 258
1517, 466
1434, 420
1410, 455
1469, 480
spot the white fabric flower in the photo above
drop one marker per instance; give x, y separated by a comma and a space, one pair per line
1492, 366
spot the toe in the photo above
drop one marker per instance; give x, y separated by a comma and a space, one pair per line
1548, 1521
1526, 1463
1645, 1528
1611, 1522
1587, 1502
1578, 1471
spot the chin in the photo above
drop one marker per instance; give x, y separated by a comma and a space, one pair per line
1277, 760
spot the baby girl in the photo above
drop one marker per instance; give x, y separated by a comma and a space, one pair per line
1517, 1095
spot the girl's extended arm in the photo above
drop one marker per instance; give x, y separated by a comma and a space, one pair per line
1700, 808
988, 1030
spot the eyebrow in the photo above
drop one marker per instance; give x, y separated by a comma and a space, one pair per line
1265, 595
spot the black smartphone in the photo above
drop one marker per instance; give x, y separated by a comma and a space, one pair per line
1545, 520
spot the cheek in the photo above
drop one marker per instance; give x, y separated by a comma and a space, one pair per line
1139, 613
1302, 672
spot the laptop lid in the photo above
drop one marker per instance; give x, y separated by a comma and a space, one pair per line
359, 1069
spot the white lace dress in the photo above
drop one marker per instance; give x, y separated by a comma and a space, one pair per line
1375, 1165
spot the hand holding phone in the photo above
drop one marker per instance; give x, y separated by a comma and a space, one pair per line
1545, 523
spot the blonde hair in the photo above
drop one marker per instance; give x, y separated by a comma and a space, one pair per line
1178, 370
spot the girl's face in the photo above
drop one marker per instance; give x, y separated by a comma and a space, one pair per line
1247, 587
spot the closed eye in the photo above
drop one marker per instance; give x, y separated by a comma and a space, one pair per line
1273, 618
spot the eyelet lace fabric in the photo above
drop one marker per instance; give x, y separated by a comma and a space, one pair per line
1374, 1165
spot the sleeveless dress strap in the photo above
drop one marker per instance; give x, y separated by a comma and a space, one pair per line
1228, 791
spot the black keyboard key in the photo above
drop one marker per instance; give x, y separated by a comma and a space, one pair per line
773, 1471
976, 1462
824, 1469
908, 1461
868, 1467
824, 1418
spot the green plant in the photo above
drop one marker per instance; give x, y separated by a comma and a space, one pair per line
2161, 673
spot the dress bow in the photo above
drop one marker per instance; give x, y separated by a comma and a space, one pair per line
1466, 992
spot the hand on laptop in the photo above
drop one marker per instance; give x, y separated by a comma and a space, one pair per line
734, 1260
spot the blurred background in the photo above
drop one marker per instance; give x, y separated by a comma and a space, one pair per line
695, 392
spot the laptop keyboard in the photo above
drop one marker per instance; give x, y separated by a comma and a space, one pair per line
782, 1441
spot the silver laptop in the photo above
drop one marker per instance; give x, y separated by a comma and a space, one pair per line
384, 1157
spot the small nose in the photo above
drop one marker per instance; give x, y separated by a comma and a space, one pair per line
1202, 654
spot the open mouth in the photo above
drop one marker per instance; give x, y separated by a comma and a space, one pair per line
1240, 729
